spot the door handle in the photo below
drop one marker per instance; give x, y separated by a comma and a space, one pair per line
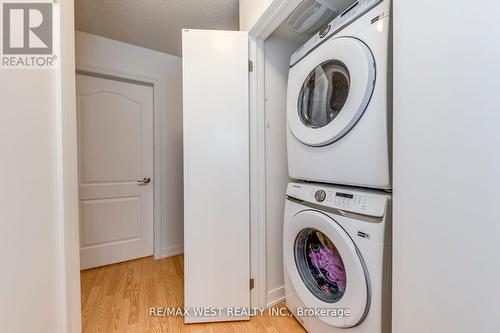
144, 181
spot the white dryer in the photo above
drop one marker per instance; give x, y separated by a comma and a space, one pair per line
339, 101
337, 258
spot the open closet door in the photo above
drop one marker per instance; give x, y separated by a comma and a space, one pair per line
216, 174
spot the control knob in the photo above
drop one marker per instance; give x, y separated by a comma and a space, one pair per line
320, 195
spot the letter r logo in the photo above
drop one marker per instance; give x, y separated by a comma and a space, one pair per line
27, 28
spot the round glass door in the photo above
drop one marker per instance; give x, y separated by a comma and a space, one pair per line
323, 94
320, 265
329, 90
324, 267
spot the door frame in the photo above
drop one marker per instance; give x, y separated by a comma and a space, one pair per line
67, 220
273, 16
154, 82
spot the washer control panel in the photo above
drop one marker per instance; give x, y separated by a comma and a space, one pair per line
351, 200
354, 11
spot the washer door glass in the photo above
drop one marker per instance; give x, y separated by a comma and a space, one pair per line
323, 94
324, 266
320, 265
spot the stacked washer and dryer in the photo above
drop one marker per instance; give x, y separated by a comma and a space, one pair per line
337, 225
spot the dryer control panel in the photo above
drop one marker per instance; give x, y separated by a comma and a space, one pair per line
353, 12
363, 202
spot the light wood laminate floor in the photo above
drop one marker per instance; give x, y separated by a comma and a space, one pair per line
117, 298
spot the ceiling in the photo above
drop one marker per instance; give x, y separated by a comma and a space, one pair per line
154, 24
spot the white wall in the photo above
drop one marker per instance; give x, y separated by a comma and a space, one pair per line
278, 48
446, 167
251, 11
39, 280
28, 201
98, 52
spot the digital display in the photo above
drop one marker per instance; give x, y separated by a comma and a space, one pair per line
344, 195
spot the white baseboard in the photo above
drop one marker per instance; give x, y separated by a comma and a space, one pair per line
275, 296
171, 251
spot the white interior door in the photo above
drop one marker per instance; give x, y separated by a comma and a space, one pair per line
216, 172
115, 153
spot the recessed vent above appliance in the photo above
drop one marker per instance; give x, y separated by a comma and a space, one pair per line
311, 15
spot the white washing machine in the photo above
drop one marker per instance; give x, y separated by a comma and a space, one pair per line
337, 258
339, 101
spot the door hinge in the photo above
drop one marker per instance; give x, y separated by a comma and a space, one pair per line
252, 283
250, 65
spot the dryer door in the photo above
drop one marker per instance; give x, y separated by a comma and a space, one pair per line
325, 268
329, 90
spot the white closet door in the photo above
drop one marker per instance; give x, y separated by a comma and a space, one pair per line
216, 172
115, 153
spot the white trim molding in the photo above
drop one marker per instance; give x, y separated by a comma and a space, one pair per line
275, 296
257, 176
67, 172
171, 251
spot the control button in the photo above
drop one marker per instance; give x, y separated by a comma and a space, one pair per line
320, 195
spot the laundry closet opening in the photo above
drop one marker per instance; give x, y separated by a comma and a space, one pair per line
318, 117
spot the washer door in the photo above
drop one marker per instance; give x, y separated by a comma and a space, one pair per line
329, 91
325, 267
